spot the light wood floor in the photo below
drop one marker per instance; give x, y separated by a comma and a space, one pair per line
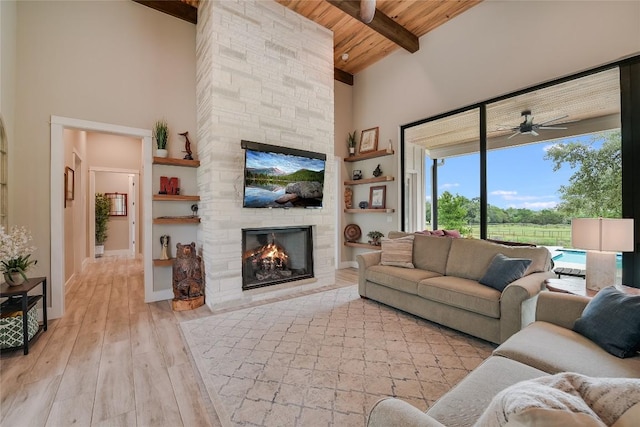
112, 360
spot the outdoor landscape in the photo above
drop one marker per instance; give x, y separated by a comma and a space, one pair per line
585, 171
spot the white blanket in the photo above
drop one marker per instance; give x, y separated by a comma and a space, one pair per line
563, 399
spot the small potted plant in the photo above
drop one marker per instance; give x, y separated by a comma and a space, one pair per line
15, 252
161, 135
351, 143
103, 206
375, 237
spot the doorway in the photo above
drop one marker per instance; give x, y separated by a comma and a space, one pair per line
58, 126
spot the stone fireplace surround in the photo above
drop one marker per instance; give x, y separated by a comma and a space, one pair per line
264, 74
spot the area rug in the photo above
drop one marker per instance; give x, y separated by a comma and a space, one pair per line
324, 359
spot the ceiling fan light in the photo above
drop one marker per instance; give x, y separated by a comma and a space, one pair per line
367, 10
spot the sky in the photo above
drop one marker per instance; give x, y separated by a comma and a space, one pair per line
516, 177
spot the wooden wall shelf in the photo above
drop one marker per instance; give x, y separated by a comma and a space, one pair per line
163, 262
370, 180
380, 211
177, 220
176, 162
371, 155
175, 198
361, 245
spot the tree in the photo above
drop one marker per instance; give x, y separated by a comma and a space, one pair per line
595, 188
452, 214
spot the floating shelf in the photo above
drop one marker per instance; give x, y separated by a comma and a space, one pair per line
370, 180
361, 245
177, 220
176, 162
163, 262
175, 198
371, 155
354, 211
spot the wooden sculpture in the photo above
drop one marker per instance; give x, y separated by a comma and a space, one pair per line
188, 284
187, 145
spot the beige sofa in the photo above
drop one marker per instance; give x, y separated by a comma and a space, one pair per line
548, 346
443, 287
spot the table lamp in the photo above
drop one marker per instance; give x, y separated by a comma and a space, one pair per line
601, 238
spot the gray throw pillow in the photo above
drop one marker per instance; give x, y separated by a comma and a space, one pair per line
612, 320
504, 270
397, 252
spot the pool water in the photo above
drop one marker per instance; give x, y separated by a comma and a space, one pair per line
579, 257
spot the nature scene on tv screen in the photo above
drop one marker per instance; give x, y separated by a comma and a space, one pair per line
275, 180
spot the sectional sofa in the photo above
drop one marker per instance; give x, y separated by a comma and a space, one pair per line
547, 347
441, 283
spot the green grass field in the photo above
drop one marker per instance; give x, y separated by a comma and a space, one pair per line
546, 235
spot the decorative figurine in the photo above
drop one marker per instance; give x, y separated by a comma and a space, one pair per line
348, 198
164, 185
188, 285
363, 205
164, 241
194, 210
377, 171
357, 174
174, 188
187, 145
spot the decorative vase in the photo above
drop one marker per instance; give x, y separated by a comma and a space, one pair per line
162, 152
13, 279
352, 151
99, 251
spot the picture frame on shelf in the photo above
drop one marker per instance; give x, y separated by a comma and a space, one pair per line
368, 141
378, 197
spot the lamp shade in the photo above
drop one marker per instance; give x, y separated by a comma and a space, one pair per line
602, 234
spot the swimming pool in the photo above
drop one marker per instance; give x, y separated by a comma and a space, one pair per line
579, 257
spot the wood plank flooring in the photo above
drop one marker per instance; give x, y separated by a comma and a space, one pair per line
112, 360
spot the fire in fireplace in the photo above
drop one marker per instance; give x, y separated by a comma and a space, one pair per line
276, 255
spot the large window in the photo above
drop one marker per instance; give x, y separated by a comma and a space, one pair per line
537, 159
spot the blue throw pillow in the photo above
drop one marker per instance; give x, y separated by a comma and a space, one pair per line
612, 320
504, 270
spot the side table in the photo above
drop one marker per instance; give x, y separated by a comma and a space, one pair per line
20, 300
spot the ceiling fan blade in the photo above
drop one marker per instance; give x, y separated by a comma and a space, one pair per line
534, 133
517, 133
553, 120
551, 127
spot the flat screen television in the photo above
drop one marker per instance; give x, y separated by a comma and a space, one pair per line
279, 177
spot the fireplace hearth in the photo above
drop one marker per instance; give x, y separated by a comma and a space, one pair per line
276, 255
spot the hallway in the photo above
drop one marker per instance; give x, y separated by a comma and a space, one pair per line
111, 360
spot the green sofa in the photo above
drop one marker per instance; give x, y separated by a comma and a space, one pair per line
546, 347
443, 287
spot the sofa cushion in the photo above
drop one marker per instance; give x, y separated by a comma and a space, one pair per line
397, 252
462, 293
402, 279
612, 320
431, 253
470, 258
554, 349
465, 402
504, 270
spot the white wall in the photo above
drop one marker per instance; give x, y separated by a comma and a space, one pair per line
8, 40
114, 62
495, 48
265, 74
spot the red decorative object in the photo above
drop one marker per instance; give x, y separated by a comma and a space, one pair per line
164, 185
173, 186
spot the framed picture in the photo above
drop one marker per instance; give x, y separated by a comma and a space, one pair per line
69, 183
378, 197
369, 140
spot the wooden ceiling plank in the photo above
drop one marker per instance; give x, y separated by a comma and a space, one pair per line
174, 8
382, 24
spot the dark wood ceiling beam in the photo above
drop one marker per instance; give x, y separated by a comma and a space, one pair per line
342, 76
174, 8
382, 24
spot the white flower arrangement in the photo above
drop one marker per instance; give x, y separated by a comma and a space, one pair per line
15, 250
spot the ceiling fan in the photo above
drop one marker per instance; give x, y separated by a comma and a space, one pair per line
528, 127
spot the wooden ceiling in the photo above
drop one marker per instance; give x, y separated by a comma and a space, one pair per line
396, 23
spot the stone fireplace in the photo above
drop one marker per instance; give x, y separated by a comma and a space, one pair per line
264, 74
276, 255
